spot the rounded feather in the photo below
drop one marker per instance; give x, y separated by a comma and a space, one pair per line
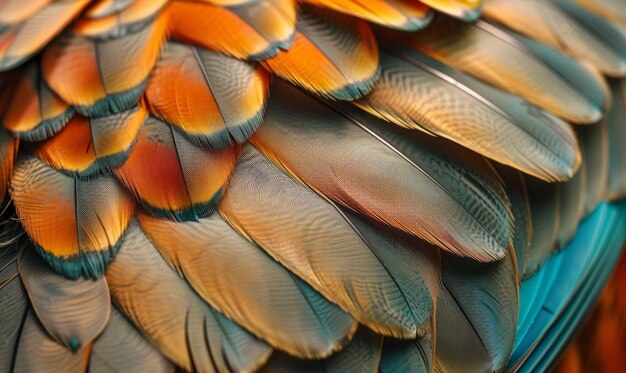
75, 224
73, 312
213, 99
92, 146
173, 178
100, 78
332, 55
251, 30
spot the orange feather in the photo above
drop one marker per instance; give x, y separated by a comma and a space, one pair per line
249, 31
103, 77
332, 55
173, 178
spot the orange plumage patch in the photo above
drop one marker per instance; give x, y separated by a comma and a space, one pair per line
247, 31
127, 19
407, 15
188, 89
103, 77
92, 145
35, 112
20, 41
332, 55
76, 224
173, 178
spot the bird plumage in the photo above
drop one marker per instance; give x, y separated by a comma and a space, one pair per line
281, 185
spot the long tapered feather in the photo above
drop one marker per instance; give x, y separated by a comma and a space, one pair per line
332, 55
215, 100
571, 207
170, 314
131, 18
34, 112
16, 11
73, 312
103, 77
616, 128
173, 178
20, 41
313, 239
508, 61
612, 9
407, 187
361, 355
209, 254
251, 30
75, 224
14, 305
544, 209
516, 189
594, 142
476, 314
91, 146
549, 24
409, 356
121, 347
404, 15
415, 91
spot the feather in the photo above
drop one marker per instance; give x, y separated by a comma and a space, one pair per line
128, 19
100, 78
214, 99
515, 186
16, 11
91, 146
409, 356
14, 305
539, 74
413, 264
34, 112
546, 22
251, 30
208, 254
20, 41
361, 355
544, 209
37, 352
611, 35
594, 142
75, 224
415, 91
103, 8
332, 55
406, 185
466, 10
73, 312
8, 151
313, 239
170, 315
616, 128
173, 178
122, 347
571, 208
611, 9
476, 314
404, 15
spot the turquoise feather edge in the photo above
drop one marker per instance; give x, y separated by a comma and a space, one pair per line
555, 300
